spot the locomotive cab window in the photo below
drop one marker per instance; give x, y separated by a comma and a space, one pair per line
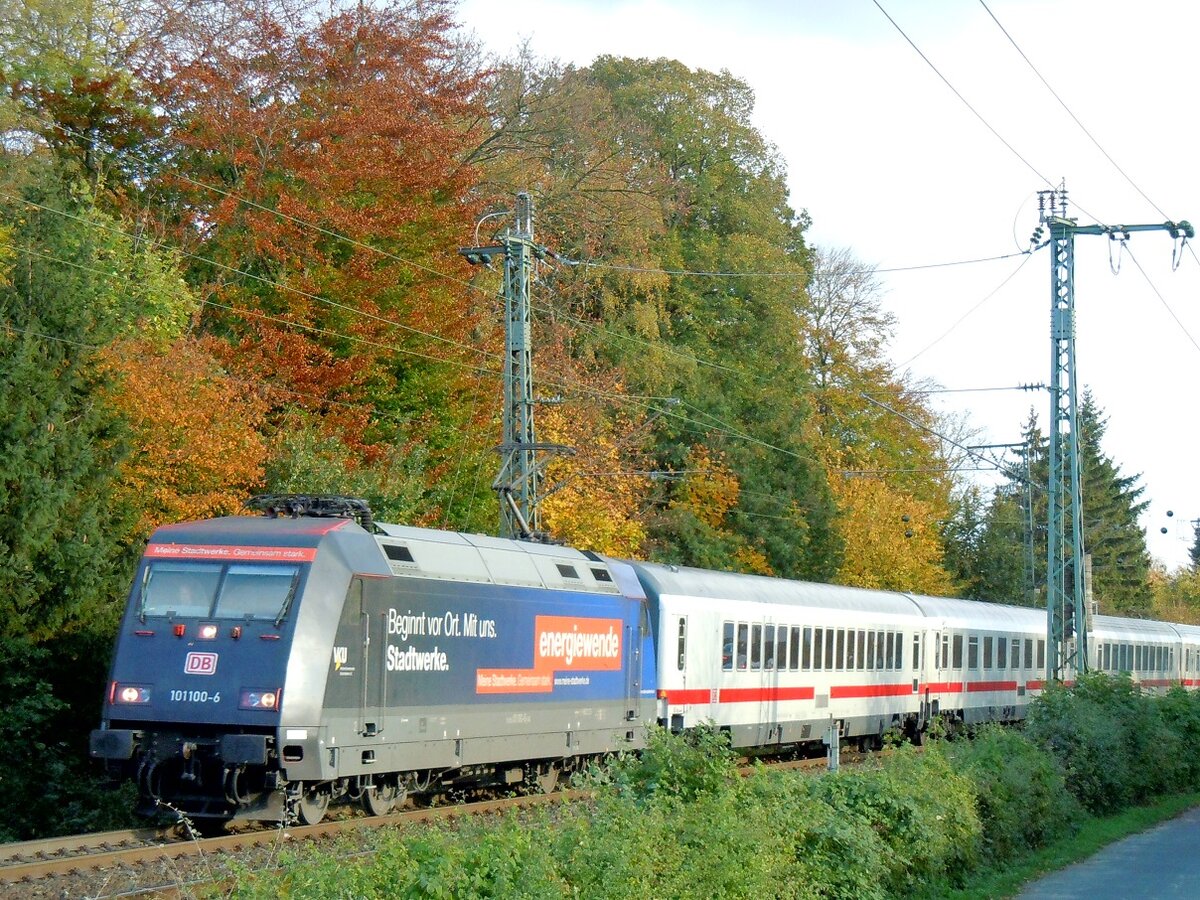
222, 590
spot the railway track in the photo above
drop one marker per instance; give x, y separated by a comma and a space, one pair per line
35, 868
165, 861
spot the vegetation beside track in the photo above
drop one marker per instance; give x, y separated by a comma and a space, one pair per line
677, 821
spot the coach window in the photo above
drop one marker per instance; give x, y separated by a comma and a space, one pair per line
769, 647
945, 651
1029, 653
795, 648
866, 649
818, 649
1105, 657
1001, 652
756, 647
1014, 659
682, 642
1041, 653
889, 649
743, 642
853, 641
958, 642
781, 645
841, 648
916, 656
727, 647
898, 661
973, 652
987, 651
830, 634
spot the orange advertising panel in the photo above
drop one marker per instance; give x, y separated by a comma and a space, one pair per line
560, 644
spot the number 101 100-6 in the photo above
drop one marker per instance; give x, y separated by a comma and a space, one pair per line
195, 697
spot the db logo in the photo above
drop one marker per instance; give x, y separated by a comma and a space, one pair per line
200, 664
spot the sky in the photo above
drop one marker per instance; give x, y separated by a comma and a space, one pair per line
888, 161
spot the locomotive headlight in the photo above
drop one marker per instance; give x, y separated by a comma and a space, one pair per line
130, 693
208, 632
255, 698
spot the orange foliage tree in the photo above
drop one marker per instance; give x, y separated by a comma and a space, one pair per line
198, 451
323, 178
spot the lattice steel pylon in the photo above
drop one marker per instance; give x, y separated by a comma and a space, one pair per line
1066, 641
1066, 614
522, 458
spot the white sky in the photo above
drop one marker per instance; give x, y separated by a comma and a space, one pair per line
889, 162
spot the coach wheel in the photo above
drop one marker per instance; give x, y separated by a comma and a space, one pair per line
311, 806
381, 799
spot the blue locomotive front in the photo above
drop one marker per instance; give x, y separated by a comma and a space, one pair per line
266, 666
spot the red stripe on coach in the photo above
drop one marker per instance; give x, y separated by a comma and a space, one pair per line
750, 695
849, 691
976, 686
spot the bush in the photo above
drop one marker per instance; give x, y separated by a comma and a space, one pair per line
922, 810
684, 766
48, 786
1112, 741
1021, 794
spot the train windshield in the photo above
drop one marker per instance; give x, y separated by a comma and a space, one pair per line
218, 590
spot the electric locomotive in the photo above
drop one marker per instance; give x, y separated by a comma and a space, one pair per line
268, 665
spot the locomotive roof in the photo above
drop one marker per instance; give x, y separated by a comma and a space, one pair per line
251, 530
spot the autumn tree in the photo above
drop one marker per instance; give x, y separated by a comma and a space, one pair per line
197, 448
649, 176
876, 435
74, 73
321, 178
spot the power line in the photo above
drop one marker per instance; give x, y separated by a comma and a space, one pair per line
703, 428
1163, 300
270, 282
1074, 118
872, 270
976, 390
966, 102
963, 317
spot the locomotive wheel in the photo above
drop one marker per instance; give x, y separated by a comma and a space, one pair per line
311, 806
379, 800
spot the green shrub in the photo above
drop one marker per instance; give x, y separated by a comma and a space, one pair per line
922, 810
1114, 744
1180, 710
1021, 794
684, 766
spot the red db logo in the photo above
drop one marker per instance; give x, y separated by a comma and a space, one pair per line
200, 664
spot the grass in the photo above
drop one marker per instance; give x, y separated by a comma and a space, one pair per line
1094, 834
